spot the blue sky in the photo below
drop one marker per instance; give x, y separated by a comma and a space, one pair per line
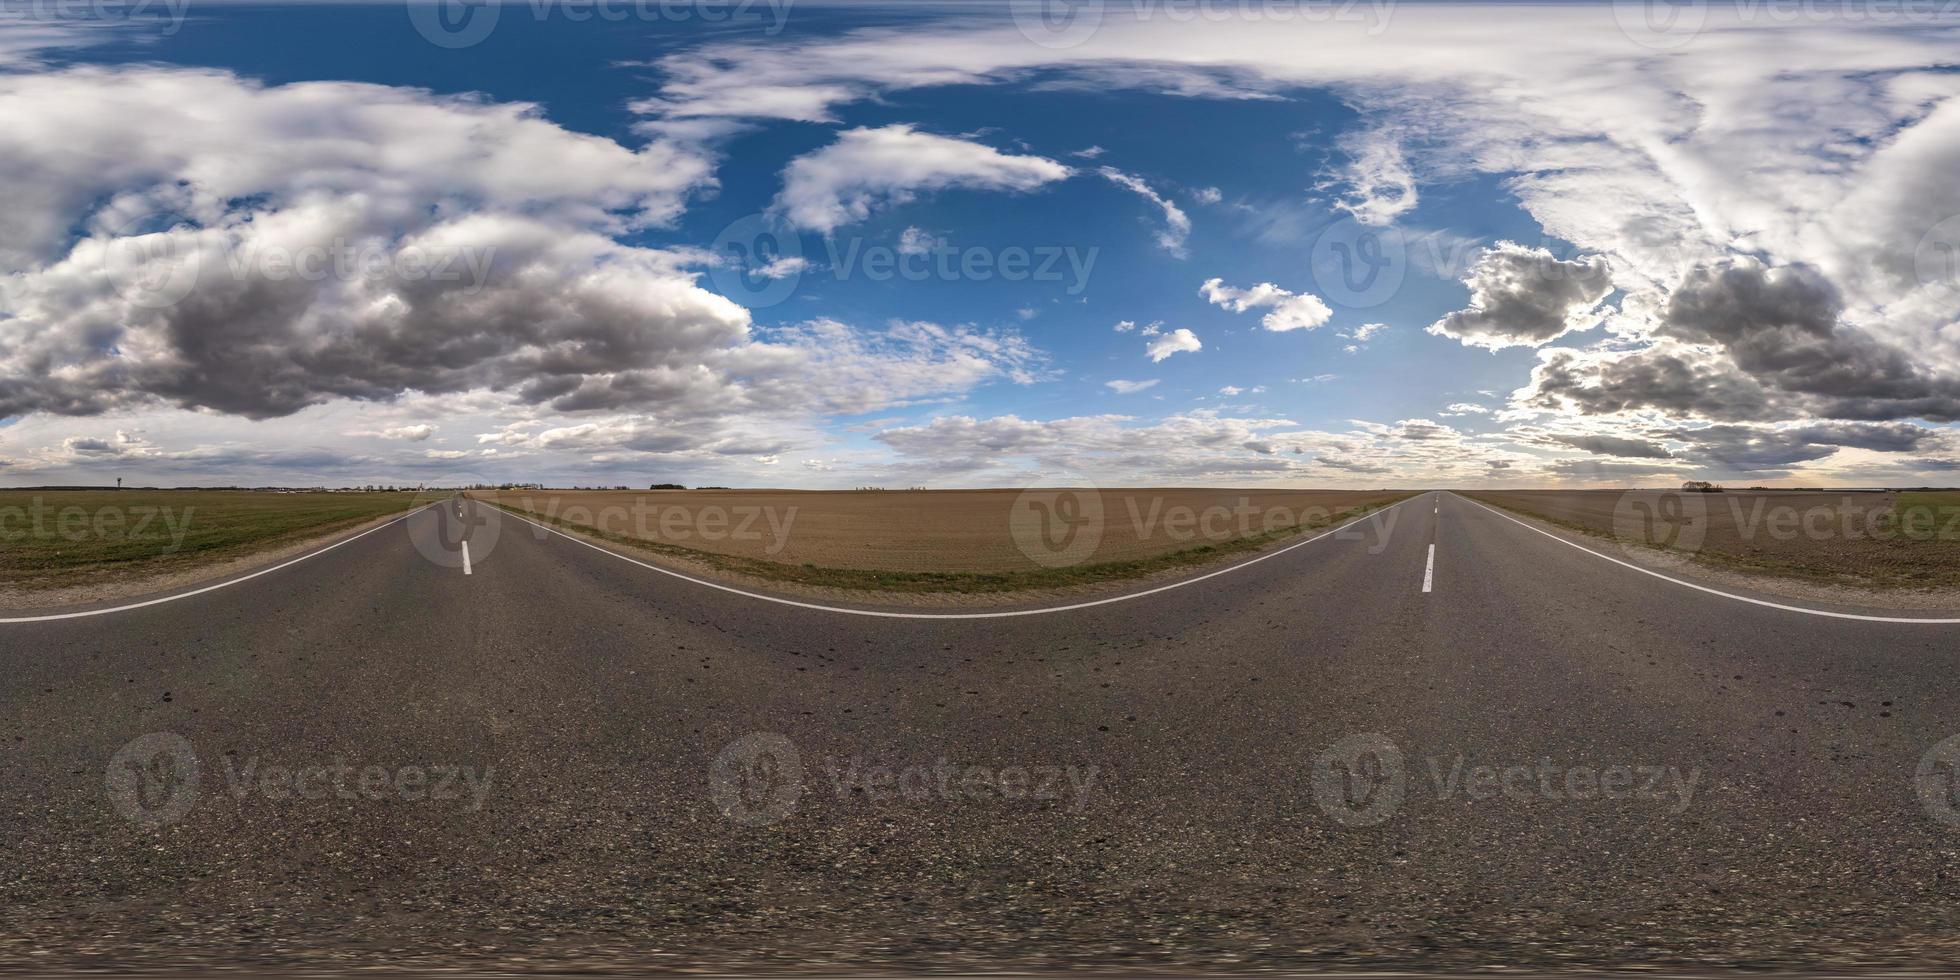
1245, 244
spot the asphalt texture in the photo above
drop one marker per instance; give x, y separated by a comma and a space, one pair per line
565, 762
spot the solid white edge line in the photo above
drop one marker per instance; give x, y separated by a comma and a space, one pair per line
845, 610
1719, 592
213, 588
466, 558
1429, 570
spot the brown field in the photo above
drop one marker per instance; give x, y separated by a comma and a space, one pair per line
1874, 539
942, 540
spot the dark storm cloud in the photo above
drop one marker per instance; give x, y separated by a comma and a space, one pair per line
1523, 296
1614, 446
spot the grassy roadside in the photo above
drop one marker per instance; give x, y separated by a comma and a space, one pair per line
955, 582
56, 539
1922, 552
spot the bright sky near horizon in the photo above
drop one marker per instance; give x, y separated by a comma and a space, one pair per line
829, 245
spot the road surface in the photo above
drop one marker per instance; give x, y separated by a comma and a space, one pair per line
1457, 743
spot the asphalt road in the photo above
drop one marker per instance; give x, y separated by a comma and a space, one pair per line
565, 761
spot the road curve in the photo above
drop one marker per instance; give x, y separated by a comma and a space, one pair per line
663, 775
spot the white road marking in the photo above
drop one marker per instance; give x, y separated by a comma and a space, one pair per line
978, 615
466, 558
212, 588
1429, 571
1726, 595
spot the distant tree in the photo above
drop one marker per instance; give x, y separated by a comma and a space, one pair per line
1700, 486
666, 486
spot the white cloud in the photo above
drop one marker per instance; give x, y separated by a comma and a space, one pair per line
867, 169
1131, 387
1125, 326
917, 241
1824, 142
1207, 195
1287, 310
1177, 227
408, 433
1177, 341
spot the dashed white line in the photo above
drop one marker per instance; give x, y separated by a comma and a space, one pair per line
466, 558
211, 588
1006, 614
1429, 570
1726, 595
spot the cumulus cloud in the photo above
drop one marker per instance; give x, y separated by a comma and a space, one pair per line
408, 433
871, 168
1285, 310
917, 241
1174, 342
1177, 226
1524, 297
163, 258
1131, 387
1781, 328
1380, 185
